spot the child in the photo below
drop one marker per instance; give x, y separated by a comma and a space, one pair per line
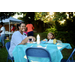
30, 28
13, 28
51, 38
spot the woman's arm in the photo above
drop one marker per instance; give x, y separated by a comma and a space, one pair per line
0, 31
26, 39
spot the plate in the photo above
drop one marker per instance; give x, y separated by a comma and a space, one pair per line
34, 42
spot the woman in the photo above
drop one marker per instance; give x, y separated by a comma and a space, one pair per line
2, 33
19, 38
30, 28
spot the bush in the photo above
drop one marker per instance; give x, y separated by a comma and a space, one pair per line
52, 29
42, 35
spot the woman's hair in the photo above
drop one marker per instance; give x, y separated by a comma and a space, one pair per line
19, 25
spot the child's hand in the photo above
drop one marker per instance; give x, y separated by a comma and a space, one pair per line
44, 39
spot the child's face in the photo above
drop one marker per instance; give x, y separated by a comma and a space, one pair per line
50, 36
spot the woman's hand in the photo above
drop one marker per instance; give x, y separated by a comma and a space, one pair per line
26, 39
31, 37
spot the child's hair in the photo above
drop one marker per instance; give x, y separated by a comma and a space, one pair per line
52, 34
29, 22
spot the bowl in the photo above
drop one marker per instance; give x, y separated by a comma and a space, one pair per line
43, 42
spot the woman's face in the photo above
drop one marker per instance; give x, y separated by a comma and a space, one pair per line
50, 36
22, 27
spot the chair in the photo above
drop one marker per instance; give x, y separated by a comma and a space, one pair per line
58, 41
71, 56
37, 52
7, 45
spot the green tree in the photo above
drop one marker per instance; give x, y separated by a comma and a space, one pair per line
27, 16
4, 15
60, 16
43, 16
70, 14
34, 16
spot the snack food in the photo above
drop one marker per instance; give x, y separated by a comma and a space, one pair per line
31, 42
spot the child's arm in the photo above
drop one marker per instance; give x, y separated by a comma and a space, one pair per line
32, 27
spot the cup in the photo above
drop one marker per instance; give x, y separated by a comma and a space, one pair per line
54, 41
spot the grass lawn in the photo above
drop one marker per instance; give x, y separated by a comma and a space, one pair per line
3, 52
3, 55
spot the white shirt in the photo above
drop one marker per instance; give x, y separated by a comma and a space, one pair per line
16, 39
3, 30
50, 41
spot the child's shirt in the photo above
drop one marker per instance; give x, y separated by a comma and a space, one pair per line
29, 27
50, 40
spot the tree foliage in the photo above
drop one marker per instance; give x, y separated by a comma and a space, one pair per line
66, 31
43, 16
60, 16
4, 15
27, 16
35, 16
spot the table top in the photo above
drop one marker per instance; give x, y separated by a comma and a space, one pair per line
54, 50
